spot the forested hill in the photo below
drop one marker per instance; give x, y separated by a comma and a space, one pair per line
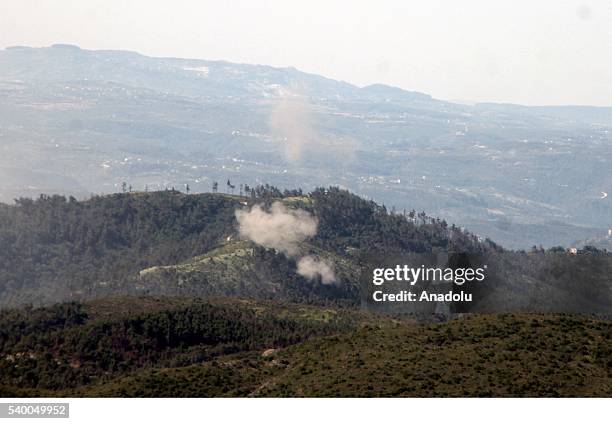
56, 248
181, 347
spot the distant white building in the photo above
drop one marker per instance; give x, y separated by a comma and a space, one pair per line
573, 250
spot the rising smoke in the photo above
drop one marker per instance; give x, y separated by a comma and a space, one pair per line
283, 229
311, 267
293, 122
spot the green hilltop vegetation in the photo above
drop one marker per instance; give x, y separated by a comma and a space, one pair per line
184, 347
58, 249
170, 243
72, 345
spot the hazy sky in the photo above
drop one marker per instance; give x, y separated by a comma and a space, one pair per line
530, 52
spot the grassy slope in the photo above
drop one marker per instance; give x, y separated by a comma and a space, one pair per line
225, 270
489, 355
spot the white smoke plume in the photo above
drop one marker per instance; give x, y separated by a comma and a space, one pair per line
311, 267
283, 229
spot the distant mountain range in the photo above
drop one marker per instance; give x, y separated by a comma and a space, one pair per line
78, 122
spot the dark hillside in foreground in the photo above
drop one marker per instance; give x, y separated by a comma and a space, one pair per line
171, 347
488, 355
70, 345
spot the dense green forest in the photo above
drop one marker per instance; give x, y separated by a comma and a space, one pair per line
73, 344
56, 249
169, 243
187, 347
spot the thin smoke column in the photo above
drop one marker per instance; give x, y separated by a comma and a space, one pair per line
291, 120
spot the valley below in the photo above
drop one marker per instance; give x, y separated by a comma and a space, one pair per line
78, 122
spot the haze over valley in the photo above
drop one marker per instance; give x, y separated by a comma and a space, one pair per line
78, 122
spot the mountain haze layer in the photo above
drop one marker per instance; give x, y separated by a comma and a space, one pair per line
78, 122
